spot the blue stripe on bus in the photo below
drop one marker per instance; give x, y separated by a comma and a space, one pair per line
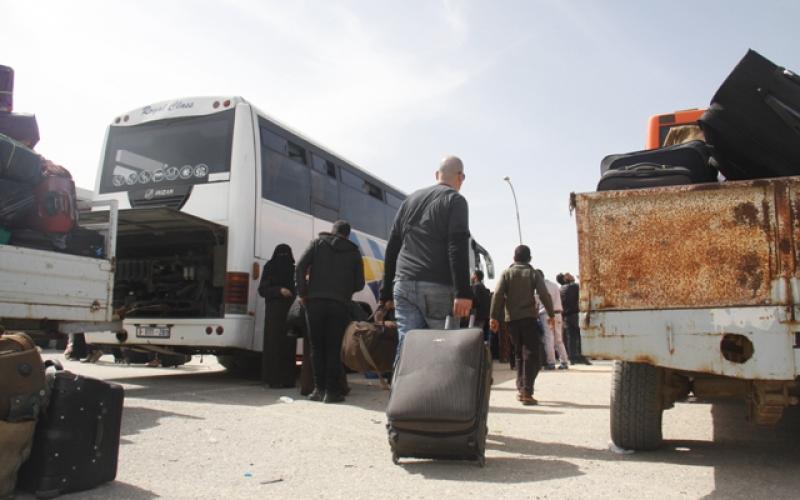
376, 250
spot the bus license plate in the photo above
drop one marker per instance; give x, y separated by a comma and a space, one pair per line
153, 331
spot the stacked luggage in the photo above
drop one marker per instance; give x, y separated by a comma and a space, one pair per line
751, 130
59, 431
38, 205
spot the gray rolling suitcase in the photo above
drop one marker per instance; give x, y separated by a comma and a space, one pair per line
440, 396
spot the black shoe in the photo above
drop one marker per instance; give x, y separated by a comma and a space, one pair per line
333, 397
549, 367
586, 361
316, 395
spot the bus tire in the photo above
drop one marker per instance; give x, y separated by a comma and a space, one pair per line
241, 365
636, 406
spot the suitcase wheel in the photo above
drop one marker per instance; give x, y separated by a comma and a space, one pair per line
395, 458
481, 460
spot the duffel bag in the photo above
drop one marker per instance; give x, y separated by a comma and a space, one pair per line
22, 394
17, 203
369, 346
19, 163
21, 378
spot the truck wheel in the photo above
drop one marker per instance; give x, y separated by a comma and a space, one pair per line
636, 406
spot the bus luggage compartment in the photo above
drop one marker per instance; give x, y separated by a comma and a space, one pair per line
169, 264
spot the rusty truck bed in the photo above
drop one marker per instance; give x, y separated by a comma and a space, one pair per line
705, 245
672, 275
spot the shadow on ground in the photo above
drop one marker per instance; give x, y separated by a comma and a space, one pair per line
114, 489
497, 470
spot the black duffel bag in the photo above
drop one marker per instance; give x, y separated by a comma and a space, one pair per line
18, 162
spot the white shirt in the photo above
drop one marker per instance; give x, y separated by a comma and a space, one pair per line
555, 295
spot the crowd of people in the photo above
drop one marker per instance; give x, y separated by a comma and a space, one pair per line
426, 279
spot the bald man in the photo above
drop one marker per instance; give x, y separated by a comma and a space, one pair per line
426, 269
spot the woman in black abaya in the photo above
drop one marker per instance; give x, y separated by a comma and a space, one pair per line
277, 287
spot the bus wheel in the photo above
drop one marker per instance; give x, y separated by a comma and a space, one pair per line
241, 365
636, 406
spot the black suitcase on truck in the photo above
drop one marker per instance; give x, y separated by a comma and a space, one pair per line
644, 175
692, 155
440, 396
753, 122
76, 443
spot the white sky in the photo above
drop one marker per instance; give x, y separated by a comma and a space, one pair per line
536, 90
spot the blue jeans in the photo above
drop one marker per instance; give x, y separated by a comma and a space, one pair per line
420, 305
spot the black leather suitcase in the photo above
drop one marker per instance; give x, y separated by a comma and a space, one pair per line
644, 175
753, 122
692, 155
76, 444
439, 402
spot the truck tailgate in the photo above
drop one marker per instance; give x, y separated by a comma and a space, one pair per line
38, 284
707, 245
700, 278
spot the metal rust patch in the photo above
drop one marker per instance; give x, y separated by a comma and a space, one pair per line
683, 246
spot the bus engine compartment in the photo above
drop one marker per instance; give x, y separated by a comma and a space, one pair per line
169, 265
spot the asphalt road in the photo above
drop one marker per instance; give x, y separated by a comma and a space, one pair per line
196, 432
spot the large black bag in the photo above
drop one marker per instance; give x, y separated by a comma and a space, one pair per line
76, 444
19, 163
439, 402
692, 155
644, 175
753, 122
17, 203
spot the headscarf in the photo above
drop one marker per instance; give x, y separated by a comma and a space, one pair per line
280, 267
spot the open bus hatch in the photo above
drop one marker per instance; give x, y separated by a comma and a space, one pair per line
168, 264
154, 221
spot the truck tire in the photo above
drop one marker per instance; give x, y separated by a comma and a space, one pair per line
636, 406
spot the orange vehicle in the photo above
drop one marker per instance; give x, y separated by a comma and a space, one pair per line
660, 125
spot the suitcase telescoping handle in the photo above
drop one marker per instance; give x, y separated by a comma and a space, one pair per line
454, 322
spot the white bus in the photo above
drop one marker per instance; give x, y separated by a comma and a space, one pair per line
207, 187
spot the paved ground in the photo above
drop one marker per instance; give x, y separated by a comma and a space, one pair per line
196, 432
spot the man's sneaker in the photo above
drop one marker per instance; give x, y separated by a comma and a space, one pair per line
563, 366
529, 400
316, 395
549, 367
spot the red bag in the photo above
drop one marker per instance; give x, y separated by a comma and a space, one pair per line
56, 210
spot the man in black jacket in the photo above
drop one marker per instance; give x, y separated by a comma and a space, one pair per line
426, 269
328, 273
570, 301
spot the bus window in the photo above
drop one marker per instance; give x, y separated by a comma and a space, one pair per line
373, 190
273, 141
324, 190
297, 153
165, 153
393, 201
323, 166
285, 181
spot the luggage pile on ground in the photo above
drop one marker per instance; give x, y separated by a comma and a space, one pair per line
59, 431
751, 130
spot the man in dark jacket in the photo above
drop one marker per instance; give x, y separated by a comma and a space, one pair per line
328, 273
514, 302
481, 302
426, 269
570, 300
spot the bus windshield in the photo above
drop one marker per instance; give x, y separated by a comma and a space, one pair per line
177, 151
